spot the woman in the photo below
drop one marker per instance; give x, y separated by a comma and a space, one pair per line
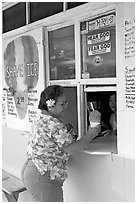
113, 117
50, 146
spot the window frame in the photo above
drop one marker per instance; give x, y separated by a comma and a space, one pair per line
78, 81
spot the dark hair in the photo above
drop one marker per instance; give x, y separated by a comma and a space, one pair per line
51, 92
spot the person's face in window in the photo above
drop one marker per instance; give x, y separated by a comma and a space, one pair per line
60, 106
112, 102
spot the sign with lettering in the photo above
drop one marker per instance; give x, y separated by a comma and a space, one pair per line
130, 87
21, 70
99, 47
22, 61
129, 37
99, 37
61, 83
102, 22
4, 108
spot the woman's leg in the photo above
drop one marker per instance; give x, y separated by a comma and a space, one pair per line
40, 187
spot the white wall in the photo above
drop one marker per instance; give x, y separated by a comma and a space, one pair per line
126, 108
91, 177
96, 178
14, 146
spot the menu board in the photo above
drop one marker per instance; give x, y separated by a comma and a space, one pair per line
98, 42
130, 87
22, 71
129, 37
126, 79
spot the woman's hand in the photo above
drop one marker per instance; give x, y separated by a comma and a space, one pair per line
69, 126
94, 131
82, 143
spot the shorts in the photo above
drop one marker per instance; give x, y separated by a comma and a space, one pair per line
41, 188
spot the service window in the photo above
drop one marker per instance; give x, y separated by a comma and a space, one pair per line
98, 47
62, 53
103, 99
105, 103
98, 67
96, 62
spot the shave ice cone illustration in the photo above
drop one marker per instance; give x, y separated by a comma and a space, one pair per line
21, 68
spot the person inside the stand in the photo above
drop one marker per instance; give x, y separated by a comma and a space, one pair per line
50, 145
113, 107
112, 127
108, 112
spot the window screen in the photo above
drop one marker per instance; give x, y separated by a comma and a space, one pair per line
14, 17
74, 4
39, 10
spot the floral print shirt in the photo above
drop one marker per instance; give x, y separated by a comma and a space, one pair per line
47, 139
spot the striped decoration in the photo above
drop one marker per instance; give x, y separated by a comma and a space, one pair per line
21, 63
21, 70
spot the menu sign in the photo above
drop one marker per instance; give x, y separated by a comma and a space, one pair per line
22, 57
129, 32
32, 104
99, 37
99, 47
130, 38
130, 87
101, 22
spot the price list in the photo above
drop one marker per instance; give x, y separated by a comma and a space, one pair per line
130, 62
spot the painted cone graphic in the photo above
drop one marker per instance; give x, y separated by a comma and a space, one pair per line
21, 68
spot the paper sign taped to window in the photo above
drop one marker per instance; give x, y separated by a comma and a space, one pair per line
99, 49
101, 22
99, 37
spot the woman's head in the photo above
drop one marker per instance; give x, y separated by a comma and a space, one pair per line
53, 99
112, 102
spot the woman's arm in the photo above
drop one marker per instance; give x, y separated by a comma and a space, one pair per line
113, 122
82, 143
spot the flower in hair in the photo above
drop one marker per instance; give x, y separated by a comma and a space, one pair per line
50, 103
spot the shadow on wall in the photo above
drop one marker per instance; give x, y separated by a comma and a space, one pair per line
96, 178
